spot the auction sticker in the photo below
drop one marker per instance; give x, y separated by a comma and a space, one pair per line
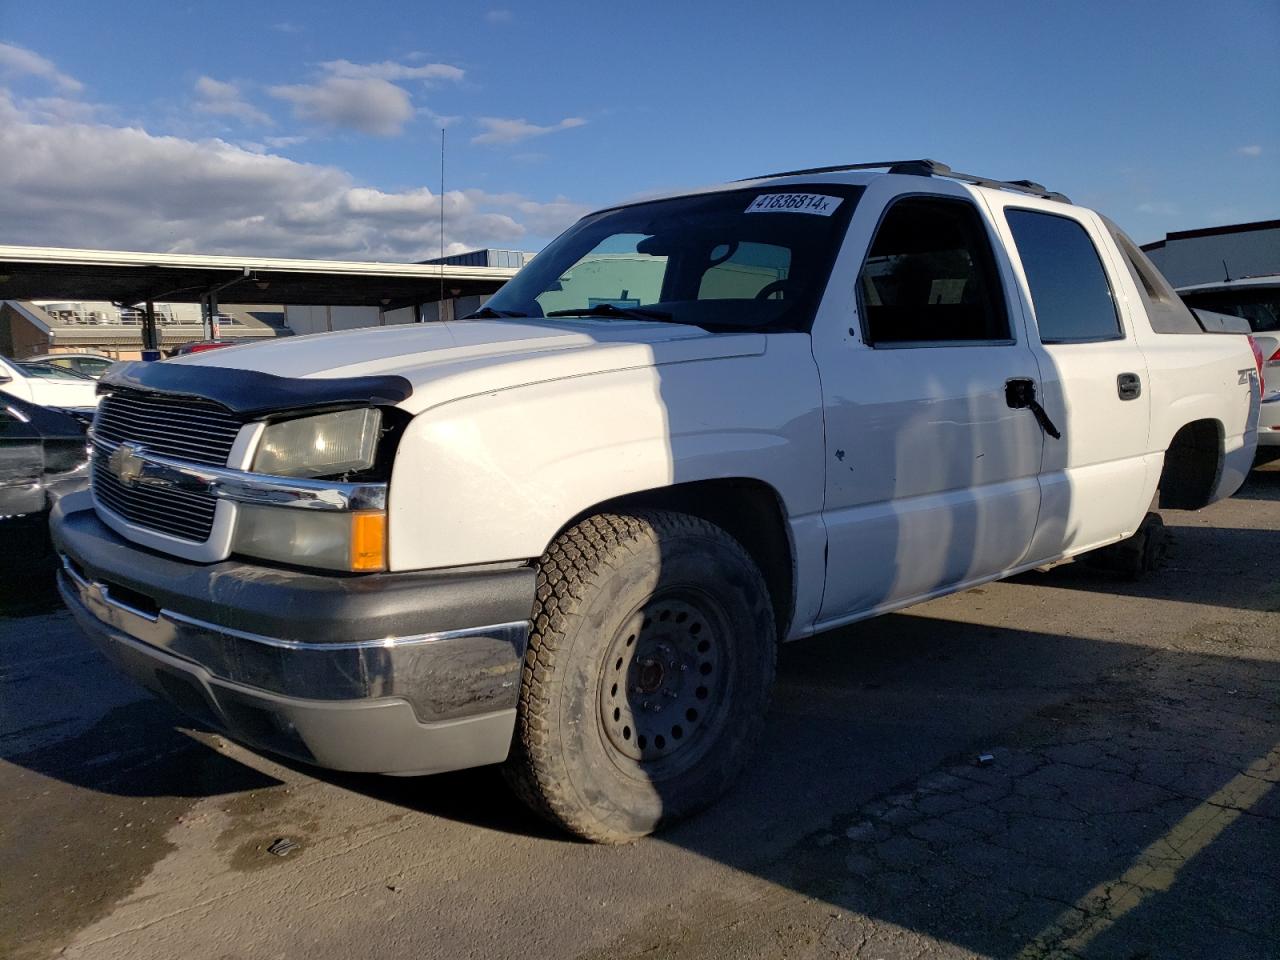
815, 203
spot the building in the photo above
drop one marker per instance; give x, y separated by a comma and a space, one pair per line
1213, 254
33, 327
113, 302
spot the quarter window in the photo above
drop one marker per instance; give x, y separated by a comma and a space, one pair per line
1069, 289
930, 276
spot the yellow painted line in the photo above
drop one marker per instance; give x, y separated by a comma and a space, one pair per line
1155, 869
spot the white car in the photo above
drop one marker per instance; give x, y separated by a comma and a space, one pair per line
48, 386
1257, 301
568, 534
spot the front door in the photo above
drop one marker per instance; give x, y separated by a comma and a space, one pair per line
931, 469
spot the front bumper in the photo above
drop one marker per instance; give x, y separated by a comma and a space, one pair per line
385, 673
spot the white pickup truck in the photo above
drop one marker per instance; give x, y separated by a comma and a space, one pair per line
567, 533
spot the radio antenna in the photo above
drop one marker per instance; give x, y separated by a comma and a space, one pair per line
440, 311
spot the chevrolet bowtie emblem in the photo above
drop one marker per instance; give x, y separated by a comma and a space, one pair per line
125, 464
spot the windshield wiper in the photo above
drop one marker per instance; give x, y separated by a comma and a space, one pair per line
609, 310
488, 313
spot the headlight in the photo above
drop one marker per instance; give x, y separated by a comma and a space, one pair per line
319, 446
335, 540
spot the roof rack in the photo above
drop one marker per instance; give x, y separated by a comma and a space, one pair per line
928, 168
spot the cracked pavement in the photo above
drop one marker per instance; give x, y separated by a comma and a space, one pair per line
1130, 808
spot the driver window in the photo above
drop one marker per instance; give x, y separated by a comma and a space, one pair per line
741, 271
930, 276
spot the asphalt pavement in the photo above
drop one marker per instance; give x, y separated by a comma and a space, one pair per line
1066, 764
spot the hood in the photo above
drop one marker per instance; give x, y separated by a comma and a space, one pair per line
446, 361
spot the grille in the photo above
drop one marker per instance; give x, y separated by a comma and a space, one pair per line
186, 428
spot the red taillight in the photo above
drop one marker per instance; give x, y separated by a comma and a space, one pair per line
1257, 358
1275, 357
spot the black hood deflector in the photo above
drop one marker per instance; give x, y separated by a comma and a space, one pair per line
250, 393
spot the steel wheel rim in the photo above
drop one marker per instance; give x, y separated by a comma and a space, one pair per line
666, 681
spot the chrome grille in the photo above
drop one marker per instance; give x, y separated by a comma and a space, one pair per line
186, 428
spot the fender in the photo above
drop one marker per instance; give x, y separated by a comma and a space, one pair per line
1195, 379
493, 477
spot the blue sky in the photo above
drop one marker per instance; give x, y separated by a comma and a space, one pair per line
313, 128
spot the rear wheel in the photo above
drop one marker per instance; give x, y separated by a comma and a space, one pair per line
647, 677
1135, 556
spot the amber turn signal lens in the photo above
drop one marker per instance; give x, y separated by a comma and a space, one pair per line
369, 540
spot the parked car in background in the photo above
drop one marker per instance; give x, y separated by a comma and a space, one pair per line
568, 532
47, 385
43, 453
88, 364
1255, 300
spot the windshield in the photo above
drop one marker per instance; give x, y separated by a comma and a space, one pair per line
1260, 306
743, 259
48, 371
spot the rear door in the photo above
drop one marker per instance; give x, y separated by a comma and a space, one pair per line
1096, 482
931, 474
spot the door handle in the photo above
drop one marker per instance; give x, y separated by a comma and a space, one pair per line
1020, 394
1129, 386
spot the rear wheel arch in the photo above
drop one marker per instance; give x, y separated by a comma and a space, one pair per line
1193, 465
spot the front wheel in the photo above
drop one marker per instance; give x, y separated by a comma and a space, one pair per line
648, 674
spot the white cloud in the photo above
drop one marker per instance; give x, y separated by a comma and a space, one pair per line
441, 120
1252, 150
224, 99
1163, 208
498, 16
362, 96
92, 185
277, 143
390, 70
368, 105
502, 130
62, 109
19, 61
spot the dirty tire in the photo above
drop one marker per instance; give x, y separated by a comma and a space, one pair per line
1133, 558
648, 674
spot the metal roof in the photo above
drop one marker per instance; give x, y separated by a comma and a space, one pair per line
52, 273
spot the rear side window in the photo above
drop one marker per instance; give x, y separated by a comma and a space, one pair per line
1165, 309
930, 276
1069, 288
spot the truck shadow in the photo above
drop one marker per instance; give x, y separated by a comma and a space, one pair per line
865, 796
1214, 566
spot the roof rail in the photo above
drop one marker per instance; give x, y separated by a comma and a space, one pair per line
928, 168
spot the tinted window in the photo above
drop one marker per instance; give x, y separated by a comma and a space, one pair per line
739, 259
1069, 288
1165, 309
930, 276
1258, 305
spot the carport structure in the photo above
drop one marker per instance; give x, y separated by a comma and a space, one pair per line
131, 279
